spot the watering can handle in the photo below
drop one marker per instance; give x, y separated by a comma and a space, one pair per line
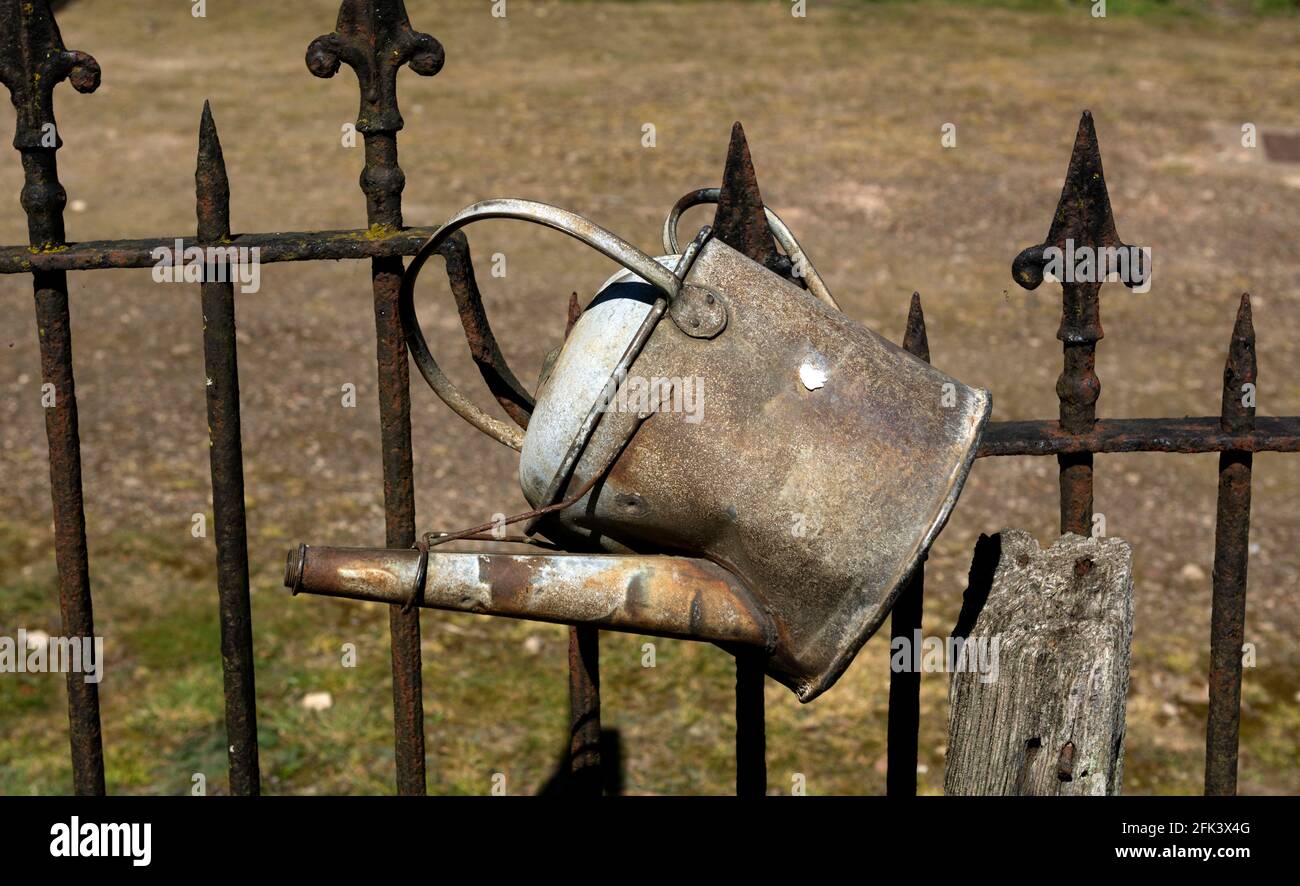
780, 231
561, 220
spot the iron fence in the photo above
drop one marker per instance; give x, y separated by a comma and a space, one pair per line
375, 38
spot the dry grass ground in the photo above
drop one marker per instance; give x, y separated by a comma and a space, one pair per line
843, 111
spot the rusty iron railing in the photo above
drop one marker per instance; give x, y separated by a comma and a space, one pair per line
375, 38
1083, 215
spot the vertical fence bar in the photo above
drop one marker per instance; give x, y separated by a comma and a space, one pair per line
32, 61
1231, 553
1083, 223
585, 775
399, 512
1078, 387
751, 730
741, 222
905, 624
375, 38
226, 457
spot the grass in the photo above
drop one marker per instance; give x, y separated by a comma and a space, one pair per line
494, 703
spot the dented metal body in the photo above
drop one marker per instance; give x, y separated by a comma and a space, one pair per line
705, 405
814, 459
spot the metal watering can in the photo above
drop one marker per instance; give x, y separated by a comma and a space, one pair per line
723, 455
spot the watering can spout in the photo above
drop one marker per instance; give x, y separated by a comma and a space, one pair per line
663, 596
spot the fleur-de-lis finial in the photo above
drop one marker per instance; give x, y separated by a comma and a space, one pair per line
375, 38
33, 60
1082, 226
1082, 215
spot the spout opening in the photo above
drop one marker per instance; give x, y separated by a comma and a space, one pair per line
293, 568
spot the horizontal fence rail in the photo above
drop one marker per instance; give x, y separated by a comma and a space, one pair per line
1181, 435
376, 39
277, 247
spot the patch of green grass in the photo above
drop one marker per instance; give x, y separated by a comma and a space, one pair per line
494, 704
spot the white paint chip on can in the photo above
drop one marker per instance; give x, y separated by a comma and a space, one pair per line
812, 376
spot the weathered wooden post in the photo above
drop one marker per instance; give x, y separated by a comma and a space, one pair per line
1041, 676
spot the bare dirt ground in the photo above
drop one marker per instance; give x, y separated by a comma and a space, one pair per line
843, 111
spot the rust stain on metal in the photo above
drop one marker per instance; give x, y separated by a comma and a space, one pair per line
675, 596
33, 60
1180, 435
904, 714
585, 778
739, 220
375, 39
1083, 217
915, 339
221, 368
399, 519
94, 255
486, 353
1231, 556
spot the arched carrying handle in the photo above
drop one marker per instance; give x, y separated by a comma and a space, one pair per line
561, 220
780, 231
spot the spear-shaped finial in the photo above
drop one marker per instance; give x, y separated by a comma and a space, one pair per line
211, 185
915, 340
740, 220
1237, 417
33, 60
221, 371
1083, 213
1083, 229
375, 38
